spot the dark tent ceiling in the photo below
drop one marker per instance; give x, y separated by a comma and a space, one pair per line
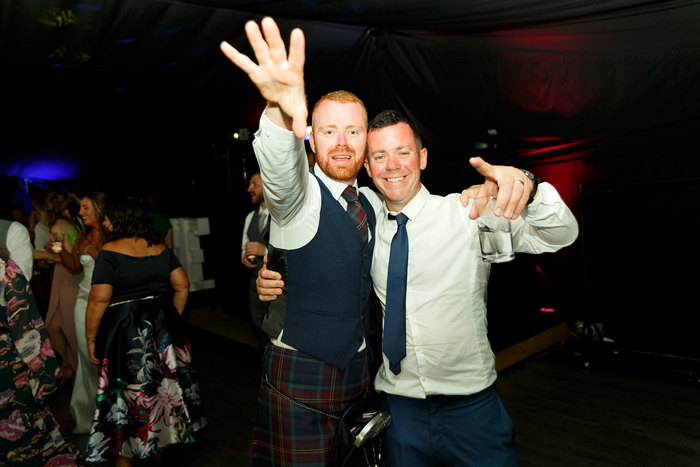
580, 90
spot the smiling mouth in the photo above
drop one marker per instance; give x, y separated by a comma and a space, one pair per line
395, 179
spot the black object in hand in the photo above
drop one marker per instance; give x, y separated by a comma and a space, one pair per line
277, 261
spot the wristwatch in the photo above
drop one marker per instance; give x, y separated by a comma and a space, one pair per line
535, 182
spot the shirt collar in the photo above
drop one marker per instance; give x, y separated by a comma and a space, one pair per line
414, 206
335, 187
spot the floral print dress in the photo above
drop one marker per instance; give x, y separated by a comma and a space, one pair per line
29, 372
148, 394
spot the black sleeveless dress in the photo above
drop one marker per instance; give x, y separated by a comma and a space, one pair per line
148, 394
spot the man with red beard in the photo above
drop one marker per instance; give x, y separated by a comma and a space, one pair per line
318, 364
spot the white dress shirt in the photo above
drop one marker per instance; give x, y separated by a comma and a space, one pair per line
447, 348
20, 248
292, 194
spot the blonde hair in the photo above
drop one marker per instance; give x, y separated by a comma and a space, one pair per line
343, 97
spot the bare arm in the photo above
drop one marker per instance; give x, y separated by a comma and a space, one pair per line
168, 240
181, 286
71, 259
100, 295
47, 255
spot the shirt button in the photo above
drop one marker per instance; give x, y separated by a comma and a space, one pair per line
418, 349
422, 378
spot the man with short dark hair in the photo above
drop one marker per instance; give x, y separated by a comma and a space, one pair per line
440, 388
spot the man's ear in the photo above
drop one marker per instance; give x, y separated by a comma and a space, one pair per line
423, 158
312, 143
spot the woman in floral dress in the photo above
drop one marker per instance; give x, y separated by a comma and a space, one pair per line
148, 395
29, 371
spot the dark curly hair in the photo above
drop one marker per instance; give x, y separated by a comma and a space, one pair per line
129, 219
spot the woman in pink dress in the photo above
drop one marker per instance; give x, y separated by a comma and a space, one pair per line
60, 323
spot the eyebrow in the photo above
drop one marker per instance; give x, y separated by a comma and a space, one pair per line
333, 125
398, 148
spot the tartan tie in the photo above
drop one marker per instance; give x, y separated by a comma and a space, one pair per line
394, 342
356, 211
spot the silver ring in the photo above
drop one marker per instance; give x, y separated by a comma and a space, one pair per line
518, 180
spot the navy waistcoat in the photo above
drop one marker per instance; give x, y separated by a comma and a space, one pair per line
329, 286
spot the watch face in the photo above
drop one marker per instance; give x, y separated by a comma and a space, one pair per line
535, 182
528, 174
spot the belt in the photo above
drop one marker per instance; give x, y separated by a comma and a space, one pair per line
150, 297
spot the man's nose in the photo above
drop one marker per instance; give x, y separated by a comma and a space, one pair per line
392, 162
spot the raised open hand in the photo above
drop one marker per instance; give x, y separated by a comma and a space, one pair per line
279, 77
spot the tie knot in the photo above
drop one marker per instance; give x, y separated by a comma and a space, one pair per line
350, 194
400, 218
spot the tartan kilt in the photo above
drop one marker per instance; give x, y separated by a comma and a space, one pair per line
286, 434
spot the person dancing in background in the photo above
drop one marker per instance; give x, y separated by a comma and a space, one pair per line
148, 394
82, 258
253, 249
29, 371
60, 319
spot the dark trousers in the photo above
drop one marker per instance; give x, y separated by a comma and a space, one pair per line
472, 430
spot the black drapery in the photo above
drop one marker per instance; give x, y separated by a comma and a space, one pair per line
580, 92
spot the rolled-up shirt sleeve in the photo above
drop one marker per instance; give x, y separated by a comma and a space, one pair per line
546, 225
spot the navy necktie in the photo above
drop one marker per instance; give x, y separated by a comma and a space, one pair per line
394, 342
356, 211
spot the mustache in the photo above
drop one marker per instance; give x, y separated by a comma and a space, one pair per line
344, 149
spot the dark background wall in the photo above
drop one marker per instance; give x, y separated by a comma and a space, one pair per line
136, 94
